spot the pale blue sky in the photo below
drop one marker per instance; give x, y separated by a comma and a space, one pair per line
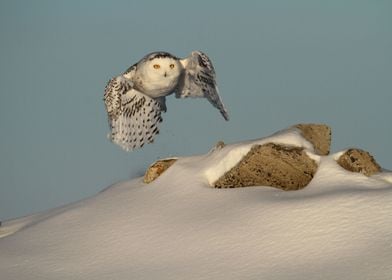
278, 63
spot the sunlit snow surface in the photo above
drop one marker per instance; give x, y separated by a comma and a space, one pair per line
177, 227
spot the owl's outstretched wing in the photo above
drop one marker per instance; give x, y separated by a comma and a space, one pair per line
199, 80
133, 116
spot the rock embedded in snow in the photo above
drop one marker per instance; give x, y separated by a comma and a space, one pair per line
219, 145
284, 166
157, 168
317, 134
280, 166
357, 160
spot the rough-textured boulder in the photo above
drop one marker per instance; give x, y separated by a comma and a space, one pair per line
317, 134
157, 168
357, 160
283, 167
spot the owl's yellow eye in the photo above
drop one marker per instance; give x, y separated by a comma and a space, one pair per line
171, 66
156, 66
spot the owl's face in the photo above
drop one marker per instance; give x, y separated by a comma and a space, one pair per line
158, 75
161, 69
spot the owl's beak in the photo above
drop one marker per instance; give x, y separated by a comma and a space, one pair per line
165, 75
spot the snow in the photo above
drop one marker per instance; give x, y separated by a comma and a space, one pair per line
177, 227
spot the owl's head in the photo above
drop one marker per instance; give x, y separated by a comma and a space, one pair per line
160, 66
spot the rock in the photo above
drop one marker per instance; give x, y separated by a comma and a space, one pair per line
317, 134
357, 160
283, 167
219, 145
157, 168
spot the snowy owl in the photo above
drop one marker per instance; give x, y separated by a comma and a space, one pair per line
135, 99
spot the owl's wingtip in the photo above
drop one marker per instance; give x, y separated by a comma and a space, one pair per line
225, 115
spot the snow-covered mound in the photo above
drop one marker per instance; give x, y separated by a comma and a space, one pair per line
178, 227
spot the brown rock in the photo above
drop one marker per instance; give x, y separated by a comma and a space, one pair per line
283, 167
157, 168
317, 134
219, 145
357, 160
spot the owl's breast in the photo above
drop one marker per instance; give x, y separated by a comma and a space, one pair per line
156, 88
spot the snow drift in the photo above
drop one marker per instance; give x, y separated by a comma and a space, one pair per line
178, 227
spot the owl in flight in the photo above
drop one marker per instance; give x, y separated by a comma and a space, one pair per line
135, 99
